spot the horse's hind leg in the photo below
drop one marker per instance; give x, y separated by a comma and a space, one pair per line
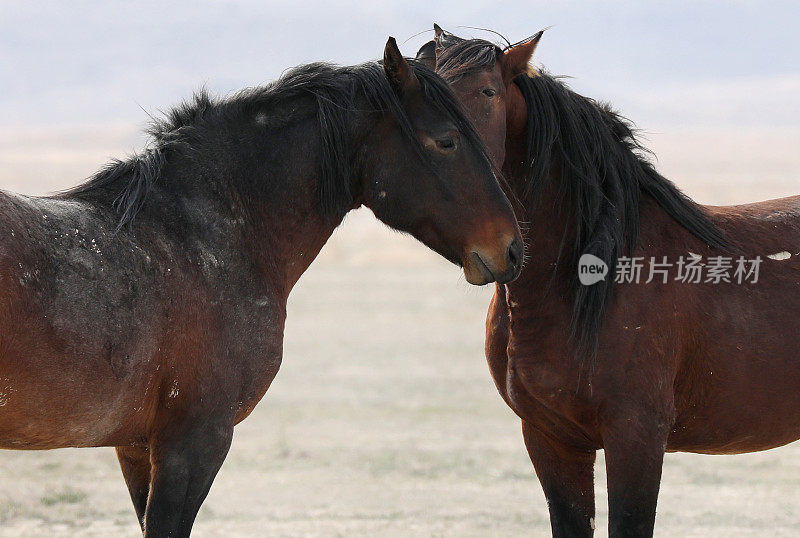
567, 477
135, 465
185, 462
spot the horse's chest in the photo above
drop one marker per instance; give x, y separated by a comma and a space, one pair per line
545, 386
542, 381
538, 359
544, 400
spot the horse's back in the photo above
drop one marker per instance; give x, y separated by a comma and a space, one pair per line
767, 232
759, 221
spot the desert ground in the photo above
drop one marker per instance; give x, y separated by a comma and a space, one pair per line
384, 421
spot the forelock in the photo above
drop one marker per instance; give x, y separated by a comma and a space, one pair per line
467, 57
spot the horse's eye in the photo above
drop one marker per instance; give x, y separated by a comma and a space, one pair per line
489, 92
448, 143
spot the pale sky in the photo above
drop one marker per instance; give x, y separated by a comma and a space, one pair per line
715, 85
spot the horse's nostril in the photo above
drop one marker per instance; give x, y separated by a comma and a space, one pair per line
515, 253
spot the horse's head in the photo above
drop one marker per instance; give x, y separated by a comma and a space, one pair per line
481, 75
436, 182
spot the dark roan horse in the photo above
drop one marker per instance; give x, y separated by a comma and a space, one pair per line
145, 309
635, 369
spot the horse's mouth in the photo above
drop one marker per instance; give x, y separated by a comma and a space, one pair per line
478, 273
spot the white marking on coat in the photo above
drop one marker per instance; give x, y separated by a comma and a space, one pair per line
780, 256
5, 393
694, 255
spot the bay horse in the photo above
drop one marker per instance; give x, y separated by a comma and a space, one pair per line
144, 310
633, 368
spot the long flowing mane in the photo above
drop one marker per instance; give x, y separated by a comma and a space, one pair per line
336, 93
602, 171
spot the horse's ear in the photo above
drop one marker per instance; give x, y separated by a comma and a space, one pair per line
443, 38
517, 57
427, 54
396, 67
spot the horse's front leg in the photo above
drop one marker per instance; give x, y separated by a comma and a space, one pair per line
185, 459
634, 441
567, 477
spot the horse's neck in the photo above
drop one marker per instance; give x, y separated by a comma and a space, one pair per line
545, 228
270, 208
290, 225
288, 236
547, 233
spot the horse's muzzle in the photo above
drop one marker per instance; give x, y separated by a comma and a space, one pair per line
480, 267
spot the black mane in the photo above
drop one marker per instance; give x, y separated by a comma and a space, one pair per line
336, 92
603, 171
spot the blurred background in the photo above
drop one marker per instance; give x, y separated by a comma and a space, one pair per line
383, 419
